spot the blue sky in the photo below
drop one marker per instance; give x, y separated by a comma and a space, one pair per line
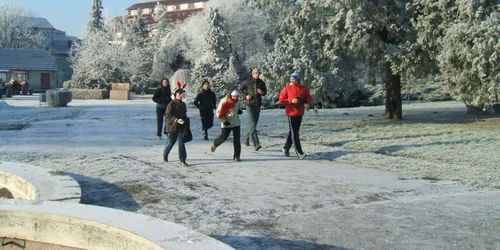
72, 15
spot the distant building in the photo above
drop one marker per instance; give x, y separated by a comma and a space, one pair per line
59, 44
37, 67
177, 10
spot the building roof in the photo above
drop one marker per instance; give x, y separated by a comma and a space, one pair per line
176, 16
37, 23
26, 59
152, 4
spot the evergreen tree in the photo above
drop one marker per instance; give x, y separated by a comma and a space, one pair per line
303, 45
90, 60
380, 33
159, 30
140, 55
96, 20
464, 38
218, 46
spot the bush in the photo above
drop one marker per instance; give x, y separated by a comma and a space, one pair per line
58, 98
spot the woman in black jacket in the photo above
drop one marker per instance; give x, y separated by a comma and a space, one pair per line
206, 103
162, 96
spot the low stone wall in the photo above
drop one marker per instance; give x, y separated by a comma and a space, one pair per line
58, 98
90, 94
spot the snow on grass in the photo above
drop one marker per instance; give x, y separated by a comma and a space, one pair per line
438, 140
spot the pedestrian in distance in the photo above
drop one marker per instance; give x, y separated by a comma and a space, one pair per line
176, 114
228, 112
206, 102
294, 97
253, 90
162, 96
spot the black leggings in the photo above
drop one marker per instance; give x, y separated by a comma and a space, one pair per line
293, 134
224, 134
160, 113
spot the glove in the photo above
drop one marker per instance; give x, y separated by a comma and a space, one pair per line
240, 111
226, 123
180, 121
300, 103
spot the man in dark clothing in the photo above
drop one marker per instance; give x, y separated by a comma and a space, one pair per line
206, 103
253, 90
176, 114
162, 97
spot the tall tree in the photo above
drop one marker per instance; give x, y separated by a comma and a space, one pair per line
17, 29
91, 60
138, 49
463, 36
380, 32
218, 47
96, 22
302, 43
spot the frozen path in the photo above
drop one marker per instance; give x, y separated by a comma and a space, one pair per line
266, 201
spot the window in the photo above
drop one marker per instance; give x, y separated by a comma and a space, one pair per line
198, 5
134, 12
171, 7
146, 11
184, 6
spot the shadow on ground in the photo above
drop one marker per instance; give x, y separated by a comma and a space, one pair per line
245, 242
101, 193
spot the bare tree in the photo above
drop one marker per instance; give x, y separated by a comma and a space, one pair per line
18, 27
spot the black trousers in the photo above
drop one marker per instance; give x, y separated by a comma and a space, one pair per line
224, 134
160, 114
293, 134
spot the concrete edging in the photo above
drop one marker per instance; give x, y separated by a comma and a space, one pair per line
93, 227
36, 183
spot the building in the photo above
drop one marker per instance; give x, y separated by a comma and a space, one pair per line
177, 10
37, 67
58, 43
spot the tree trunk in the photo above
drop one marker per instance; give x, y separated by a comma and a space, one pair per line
393, 100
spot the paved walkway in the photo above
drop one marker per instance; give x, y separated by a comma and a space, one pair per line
266, 201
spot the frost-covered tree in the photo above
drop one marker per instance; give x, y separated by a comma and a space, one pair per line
140, 51
90, 60
159, 30
218, 47
247, 28
16, 28
188, 41
302, 44
96, 22
463, 36
162, 24
381, 34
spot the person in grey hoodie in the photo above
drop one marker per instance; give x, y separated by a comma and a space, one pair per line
253, 90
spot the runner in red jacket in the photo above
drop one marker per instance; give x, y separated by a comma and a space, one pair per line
294, 97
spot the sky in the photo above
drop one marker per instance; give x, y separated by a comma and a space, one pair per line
71, 16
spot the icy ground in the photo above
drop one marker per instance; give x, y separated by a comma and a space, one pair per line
428, 182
